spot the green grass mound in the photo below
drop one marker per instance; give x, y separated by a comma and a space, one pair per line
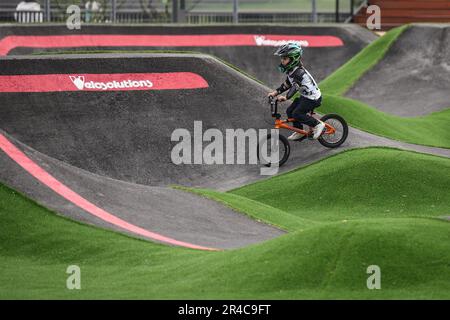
257, 210
360, 184
327, 258
430, 130
345, 77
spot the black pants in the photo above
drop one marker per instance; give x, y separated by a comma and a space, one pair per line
299, 109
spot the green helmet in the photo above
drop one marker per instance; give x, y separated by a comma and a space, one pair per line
291, 50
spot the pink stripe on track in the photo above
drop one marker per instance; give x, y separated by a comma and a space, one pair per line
205, 40
47, 179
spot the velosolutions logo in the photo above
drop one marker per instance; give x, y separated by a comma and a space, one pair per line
103, 82
263, 41
81, 83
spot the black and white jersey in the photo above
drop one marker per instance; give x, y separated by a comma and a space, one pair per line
300, 80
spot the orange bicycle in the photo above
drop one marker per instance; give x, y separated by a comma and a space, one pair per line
333, 135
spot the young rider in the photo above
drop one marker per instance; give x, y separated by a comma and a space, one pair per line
298, 80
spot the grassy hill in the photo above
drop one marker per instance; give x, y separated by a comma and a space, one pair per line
325, 255
430, 130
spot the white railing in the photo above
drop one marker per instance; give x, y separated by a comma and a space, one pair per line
29, 16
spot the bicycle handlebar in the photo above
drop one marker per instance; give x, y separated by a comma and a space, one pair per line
273, 101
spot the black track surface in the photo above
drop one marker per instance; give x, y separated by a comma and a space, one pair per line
413, 78
259, 62
113, 148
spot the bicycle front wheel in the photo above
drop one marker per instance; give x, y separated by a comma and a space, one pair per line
273, 151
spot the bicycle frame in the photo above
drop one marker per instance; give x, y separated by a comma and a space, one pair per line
282, 124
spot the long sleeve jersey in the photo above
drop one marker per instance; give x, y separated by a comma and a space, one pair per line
300, 80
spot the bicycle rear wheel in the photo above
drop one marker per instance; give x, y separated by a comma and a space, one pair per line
338, 137
273, 150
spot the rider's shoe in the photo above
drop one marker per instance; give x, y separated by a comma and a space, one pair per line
318, 129
295, 136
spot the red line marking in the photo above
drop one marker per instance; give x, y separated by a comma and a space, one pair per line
44, 177
207, 40
101, 82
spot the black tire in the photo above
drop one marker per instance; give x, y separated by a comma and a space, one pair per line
326, 140
284, 147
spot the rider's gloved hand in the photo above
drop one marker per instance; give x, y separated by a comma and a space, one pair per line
272, 94
282, 98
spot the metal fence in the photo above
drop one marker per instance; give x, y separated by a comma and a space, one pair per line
266, 17
23, 16
111, 12
129, 16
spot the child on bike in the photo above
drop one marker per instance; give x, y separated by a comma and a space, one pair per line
298, 80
